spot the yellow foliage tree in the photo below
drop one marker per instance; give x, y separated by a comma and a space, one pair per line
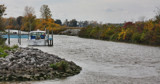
122, 34
149, 25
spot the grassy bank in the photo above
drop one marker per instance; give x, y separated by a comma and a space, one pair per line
4, 48
147, 33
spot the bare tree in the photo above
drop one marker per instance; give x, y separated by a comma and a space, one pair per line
157, 17
29, 11
29, 18
45, 12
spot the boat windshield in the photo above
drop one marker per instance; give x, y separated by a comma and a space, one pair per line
37, 35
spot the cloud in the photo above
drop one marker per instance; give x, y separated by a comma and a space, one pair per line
112, 11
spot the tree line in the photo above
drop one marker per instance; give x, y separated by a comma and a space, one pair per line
141, 32
29, 21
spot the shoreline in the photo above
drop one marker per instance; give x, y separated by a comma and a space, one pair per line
36, 64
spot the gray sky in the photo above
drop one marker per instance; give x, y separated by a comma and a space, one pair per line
106, 11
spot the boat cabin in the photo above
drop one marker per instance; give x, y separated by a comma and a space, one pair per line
37, 38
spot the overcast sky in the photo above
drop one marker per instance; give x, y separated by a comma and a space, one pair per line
106, 11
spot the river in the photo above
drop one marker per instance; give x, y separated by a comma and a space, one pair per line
104, 62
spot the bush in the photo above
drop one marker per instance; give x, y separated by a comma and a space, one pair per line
4, 47
2, 52
141, 32
62, 66
93, 33
136, 38
2, 41
84, 33
114, 37
128, 36
142, 38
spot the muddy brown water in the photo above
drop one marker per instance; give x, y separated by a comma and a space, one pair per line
103, 62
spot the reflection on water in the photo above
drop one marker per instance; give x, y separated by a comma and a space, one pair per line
104, 62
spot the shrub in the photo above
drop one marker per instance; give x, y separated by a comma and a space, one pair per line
5, 47
2, 53
142, 38
54, 66
108, 33
2, 41
15, 46
136, 38
147, 32
93, 33
62, 66
114, 37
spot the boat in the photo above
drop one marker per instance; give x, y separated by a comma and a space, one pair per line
38, 38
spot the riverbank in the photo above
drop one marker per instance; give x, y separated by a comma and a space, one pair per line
25, 64
129, 33
103, 62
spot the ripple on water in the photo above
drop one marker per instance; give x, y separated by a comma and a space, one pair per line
105, 62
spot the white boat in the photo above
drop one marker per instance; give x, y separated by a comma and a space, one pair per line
38, 38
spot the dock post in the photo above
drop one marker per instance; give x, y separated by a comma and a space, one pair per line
52, 37
28, 34
9, 36
20, 36
48, 37
29, 29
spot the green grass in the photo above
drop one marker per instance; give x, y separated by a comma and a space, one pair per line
2, 52
4, 47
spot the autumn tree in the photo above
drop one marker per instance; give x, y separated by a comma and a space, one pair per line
29, 19
128, 24
149, 25
2, 12
11, 23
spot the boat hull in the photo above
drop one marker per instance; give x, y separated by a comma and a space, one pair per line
41, 42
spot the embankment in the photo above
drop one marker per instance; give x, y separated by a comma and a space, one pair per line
25, 64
